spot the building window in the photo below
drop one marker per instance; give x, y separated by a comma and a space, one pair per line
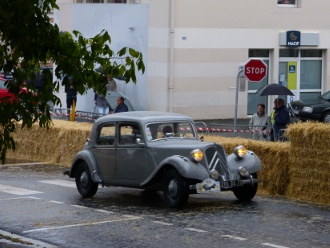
253, 98
287, 3
301, 73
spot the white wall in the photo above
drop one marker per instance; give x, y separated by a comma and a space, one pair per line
127, 25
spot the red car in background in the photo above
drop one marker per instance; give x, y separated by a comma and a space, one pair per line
3, 89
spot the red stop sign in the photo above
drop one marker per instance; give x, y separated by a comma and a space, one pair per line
255, 70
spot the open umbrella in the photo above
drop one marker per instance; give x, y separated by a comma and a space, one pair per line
274, 89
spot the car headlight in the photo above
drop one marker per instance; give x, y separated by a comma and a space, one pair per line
240, 151
308, 109
214, 174
197, 155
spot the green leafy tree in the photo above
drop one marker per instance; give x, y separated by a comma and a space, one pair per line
29, 40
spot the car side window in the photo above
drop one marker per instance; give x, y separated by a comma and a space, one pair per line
107, 135
129, 133
2, 84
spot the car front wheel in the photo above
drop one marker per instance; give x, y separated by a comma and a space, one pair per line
246, 192
85, 185
176, 189
326, 117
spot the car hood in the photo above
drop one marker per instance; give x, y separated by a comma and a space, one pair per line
299, 105
162, 149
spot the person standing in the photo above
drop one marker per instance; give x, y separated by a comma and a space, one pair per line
102, 104
259, 124
71, 94
281, 117
272, 119
112, 85
121, 107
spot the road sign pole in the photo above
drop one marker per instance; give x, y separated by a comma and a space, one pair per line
236, 99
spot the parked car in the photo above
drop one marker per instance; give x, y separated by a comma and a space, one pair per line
161, 151
317, 109
4, 93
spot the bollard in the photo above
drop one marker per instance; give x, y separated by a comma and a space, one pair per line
73, 111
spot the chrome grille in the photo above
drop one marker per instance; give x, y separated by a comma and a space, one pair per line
216, 159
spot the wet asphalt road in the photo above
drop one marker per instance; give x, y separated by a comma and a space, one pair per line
42, 204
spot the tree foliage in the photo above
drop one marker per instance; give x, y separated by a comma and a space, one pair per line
29, 40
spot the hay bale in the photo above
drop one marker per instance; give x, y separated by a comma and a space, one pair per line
309, 159
274, 158
57, 145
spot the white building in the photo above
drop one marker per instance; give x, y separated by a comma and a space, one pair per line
195, 49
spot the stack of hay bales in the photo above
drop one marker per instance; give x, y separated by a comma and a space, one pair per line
310, 162
56, 145
274, 157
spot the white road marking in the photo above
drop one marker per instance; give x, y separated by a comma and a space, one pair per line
233, 237
34, 198
34, 243
81, 224
15, 198
100, 210
35, 163
130, 216
57, 202
60, 182
162, 223
196, 230
103, 211
17, 191
78, 206
273, 245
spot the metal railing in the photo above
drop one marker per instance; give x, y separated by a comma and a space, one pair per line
64, 114
264, 133
243, 131
202, 128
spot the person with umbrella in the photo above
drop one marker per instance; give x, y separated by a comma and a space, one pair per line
282, 118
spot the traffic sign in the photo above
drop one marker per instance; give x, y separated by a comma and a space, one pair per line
255, 70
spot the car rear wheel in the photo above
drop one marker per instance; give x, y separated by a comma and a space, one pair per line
326, 117
176, 189
246, 192
85, 185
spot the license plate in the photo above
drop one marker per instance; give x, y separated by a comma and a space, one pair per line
208, 185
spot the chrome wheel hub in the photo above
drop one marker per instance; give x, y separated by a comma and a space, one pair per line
173, 188
84, 179
327, 118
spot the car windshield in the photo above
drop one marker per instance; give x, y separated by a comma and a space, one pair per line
170, 130
326, 96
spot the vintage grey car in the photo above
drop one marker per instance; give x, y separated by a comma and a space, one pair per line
161, 151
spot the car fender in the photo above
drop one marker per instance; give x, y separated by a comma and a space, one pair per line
87, 157
251, 162
185, 167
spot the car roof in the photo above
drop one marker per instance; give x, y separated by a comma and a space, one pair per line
143, 117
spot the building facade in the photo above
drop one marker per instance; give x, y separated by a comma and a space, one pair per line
195, 49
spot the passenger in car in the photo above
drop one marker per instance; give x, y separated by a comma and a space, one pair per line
167, 131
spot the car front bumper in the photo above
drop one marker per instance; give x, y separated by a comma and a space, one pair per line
305, 116
223, 185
